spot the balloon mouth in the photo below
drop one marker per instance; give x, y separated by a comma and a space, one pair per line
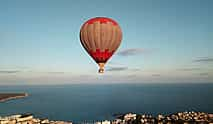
101, 68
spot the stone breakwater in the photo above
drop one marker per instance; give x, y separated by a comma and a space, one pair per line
130, 118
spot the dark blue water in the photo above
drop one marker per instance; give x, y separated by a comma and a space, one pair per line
100, 101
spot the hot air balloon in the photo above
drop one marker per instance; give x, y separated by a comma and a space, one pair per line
100, 37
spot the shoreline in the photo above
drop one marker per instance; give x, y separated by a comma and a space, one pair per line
128, 118
11, 96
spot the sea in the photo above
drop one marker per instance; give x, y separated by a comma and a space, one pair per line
91, 102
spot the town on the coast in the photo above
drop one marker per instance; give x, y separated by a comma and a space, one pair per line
129, 118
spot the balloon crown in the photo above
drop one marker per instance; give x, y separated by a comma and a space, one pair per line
101, 20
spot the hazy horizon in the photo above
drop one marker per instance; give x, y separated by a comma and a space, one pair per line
102, 102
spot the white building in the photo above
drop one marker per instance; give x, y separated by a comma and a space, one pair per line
10, 117
118, 121
105, 122
130, 116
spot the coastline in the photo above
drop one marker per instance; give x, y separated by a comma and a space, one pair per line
128, 118
11, 96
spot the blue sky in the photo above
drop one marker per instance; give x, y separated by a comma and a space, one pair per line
163, 41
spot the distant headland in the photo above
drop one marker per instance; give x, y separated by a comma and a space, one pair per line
9, 96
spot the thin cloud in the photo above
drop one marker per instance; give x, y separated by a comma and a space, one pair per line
131, 76
204, 74
117, 69
204, 59
55, 72
131, 52
122, 68
156, 75
188, 69
135, 69
9, 72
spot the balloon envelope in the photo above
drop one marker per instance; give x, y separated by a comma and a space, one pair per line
100, 37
